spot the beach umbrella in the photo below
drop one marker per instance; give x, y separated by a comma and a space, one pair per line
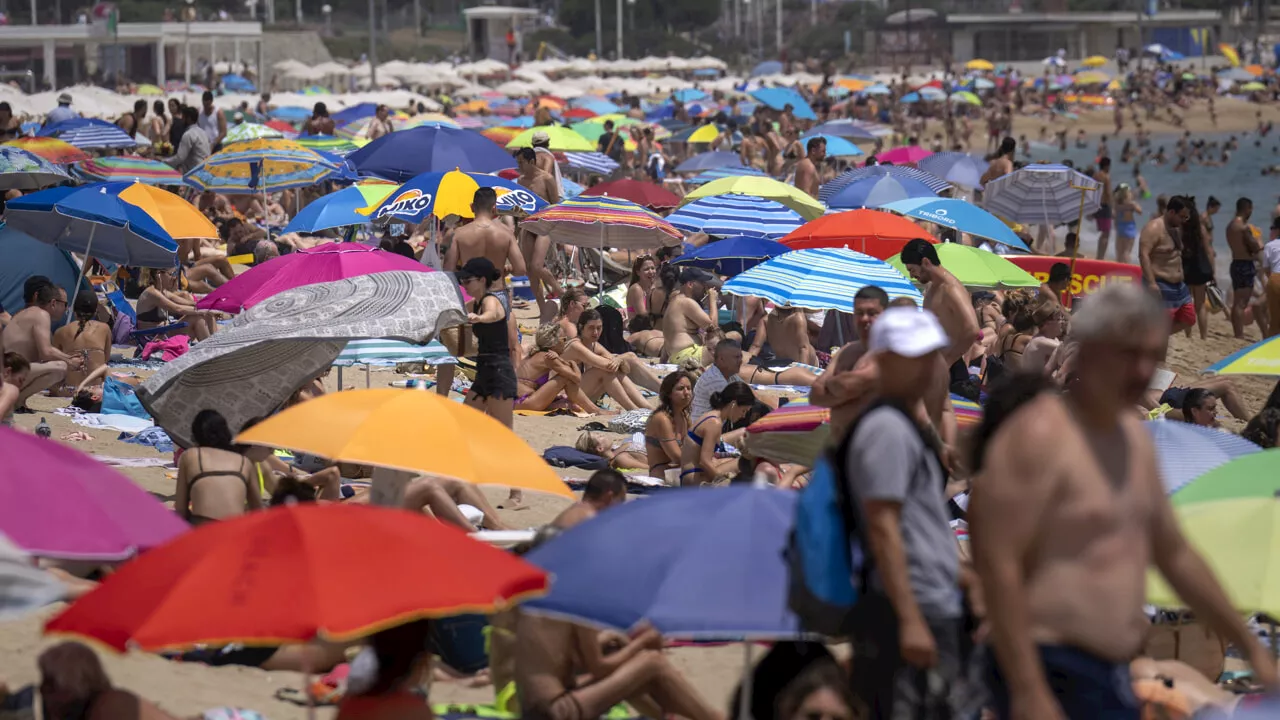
429, 119
327, 143
956, 168
251, 368
250, 131
820, 279
977, 269
764, 187
697, 134
571, 189
592, 162
1260, 358
710, 161
24, 170
703, 178
910, 98
1054, 61
285, 128
646, 194
1094, 61
695, 563
89, 134
52, 149
390, 353
979, 64
402, 155
1188, 452
1253, 87
320, 264
169, 210
290, 113
362, 569
24, 587
501, 134
57, 502
578, 114
830, 189
734, 255
836, 145
238, 83
1091, 78
876, 233
562, 138
597, 105
339, 209
959, 216
877, 90
1236, 74
909, 155
688, 95
603, 222
259, 166
965, 97
1049, 194
877, 191
416, 432
1247, 475
778, 98
126, 167
842, 128
22, 256
451, 193
734, 215
359, 111
149, 90
768, 67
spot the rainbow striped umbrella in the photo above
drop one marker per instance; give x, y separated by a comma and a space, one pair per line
327, 143
257, 166
128, 167
603, 222
1260, 358
51, 149
23, 170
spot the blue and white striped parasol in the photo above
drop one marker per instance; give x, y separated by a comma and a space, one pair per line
1188, 451
895, 171
820, 279
391, 352
594, 162
1048, 194
703, 178
733, 215
91, 134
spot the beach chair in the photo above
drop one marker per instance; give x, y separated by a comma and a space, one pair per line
139, 337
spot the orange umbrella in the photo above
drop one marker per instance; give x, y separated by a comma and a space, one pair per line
1255, 69
295, 573
878, 234
501, 135
52, 149
473, 106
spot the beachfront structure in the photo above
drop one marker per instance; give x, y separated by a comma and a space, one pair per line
487, 27
144, 52
1014, 36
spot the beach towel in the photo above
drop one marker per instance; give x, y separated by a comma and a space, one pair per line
121, 423
120, 399
152, 437
565, 457
631, 421
134, 462
636, 484
170, 348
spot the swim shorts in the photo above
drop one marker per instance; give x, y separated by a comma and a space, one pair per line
1103, 218
693, 351
1243, 273
1085, 686
1177, 300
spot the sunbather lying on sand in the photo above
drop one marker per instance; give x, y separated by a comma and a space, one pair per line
622, 454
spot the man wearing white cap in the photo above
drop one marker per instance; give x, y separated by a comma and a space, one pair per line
911, 619
62, 112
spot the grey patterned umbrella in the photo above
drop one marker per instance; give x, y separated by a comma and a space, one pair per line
253, 367
23, 586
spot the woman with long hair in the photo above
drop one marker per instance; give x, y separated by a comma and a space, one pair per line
87, 337
698, 462
668, 426
572, 303
603, 373
495, 388
215, 479
644, 271
162, 301
1197, 264
545, 373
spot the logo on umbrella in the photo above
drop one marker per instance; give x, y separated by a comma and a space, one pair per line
939, 216
409, 202
522, 200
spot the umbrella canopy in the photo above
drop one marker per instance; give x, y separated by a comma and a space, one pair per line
763, 187
878, 191
955, 167
843, 128
392, 352
647, 194
339, 209
320, 264
94, 220
878, 234
24, 170
592, 162
703, 178
726, 215
709, 161
256, 166
252, 368
412, 431
837, 146
562, 138
22, 256
1187, 452
1253, 87
450, 193
175, 215
250, 131
909, 155
768, 67
778, 98
60, 503
89, 134
979, 64
51, 149
1094, 61
362, 569
1091, 78
977, 269
966, 97
732, 256
401, 155
1042, 194
1260, 358
127, 167
897, 172
238, 83
603, 222
697, 564
820, 279
327, 143
959, 216
1249, 475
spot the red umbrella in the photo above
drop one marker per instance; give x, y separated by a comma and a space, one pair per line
874, 232
282, 126
646, 194
578, 114
295, 573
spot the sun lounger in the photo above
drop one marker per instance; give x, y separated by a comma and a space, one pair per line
139, 337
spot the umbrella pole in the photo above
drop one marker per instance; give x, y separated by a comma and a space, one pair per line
339, 378
744, 691
600, 286
367, 380
84, 270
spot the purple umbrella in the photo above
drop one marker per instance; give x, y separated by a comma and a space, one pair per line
57, 502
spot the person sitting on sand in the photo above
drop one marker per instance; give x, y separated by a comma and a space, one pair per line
403, 665
1264, 429
622, 454
12, 376
698, 462
644, 274
727, 366
85, 337
1013, 344
444, 498
668, 426
605, 488
73, 684
600, 365
1050, 321
545, 373
325, 484
643, 338
215, 480
161, 301
688, 326
572, 303
787, 332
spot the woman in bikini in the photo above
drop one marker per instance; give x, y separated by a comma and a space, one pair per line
601, 376
623, 454
572, 303
85, 337
161, 300
1011, 346
698, 462
215, 480
544, 374
591, 327
668, 426
644, 271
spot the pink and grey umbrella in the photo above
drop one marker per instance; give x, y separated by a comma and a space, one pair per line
57, 502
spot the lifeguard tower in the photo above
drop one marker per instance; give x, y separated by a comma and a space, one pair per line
487, 27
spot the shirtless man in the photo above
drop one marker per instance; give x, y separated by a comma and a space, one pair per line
381, 123
546, 160
787, 331
944, 296
687, 324
1160, 255
1103, 216
807, 178
1244, 249
846, 385
1068, 513
1002, 163
605, 488
30, 335
131, 122
487, 238
535, 247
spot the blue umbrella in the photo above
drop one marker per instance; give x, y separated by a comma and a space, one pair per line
778, 98
337, 209
820, 279
844, 129
876, 90
873, 192
732, 256
416, 200
290, 114
1047, 194
89, 134
24, 170
698, 564
703, 178
899, 172
688, 95
238, 83
960, 216
94, 221
593, 162
399, 156
22, 256
729, 215
362, 111
524, 121
956, 168
594, 104
344, 173
768, 67
1187, 451
836, 146
571, 188
710, 161
909, 98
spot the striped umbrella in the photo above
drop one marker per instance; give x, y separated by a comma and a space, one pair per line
730, 215
603, 222
385, 352
1261, 358
51, 149
594, 162
764, 187
90, 134
831, 189
820, 279
262, 165
250, 131
327, 143
956, 168
24, 170
467, 122
1187, 451
703, 178
1049, 194
128, 167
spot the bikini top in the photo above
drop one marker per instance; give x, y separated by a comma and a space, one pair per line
202, 474
693, 435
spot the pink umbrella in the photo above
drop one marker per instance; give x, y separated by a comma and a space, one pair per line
57, 502
323, 263
909, 155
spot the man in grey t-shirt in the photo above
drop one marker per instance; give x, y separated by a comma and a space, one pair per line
912, 619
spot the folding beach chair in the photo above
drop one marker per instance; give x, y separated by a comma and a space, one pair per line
139, 337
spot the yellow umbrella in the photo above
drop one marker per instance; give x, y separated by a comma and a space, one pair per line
177, 216
1091, 77
979, 64
417, 432
705, 134
764, 187
562, 139
1094, 61
150, 90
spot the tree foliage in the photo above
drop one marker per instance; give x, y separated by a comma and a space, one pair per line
579, 16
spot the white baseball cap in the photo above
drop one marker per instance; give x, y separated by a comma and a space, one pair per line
907, 332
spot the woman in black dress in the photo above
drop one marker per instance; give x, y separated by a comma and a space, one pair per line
1197, 264
494, 390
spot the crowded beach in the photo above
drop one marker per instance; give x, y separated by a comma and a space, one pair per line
642, 389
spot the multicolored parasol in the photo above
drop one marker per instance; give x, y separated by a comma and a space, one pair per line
259, 166
128, 167
51, 149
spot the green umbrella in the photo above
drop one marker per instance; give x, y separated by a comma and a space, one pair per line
1256, 475
1253, 87
562, 139
592, 129
976, 268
